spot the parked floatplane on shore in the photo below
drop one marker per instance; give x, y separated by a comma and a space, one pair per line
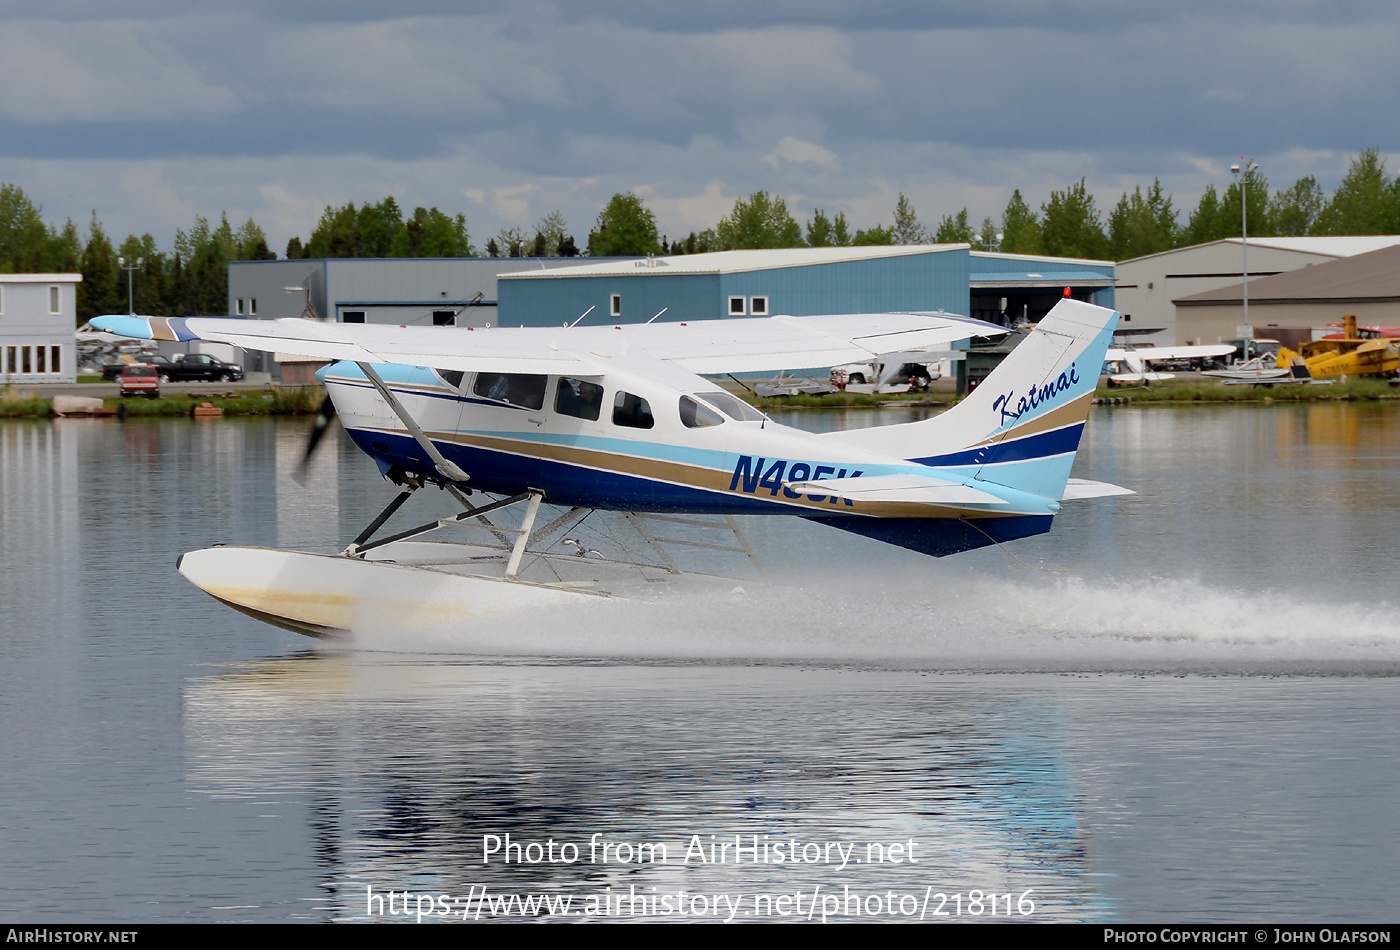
618, 418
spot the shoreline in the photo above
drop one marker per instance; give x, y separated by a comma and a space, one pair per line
1169, 393
305, 400
268, 401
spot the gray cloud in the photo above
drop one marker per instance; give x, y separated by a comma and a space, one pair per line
508, 113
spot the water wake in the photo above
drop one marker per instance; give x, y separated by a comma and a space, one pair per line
946, 619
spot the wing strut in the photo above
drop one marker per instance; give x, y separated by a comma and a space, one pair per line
445, 468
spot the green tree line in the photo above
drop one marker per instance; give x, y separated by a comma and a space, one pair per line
192, 277
382, 230
1068, 224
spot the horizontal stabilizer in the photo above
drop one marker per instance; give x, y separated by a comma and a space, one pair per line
912, 489
1083, 488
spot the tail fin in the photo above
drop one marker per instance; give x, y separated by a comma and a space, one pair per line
1022, 425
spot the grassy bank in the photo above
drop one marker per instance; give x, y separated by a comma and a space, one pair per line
1191, 391
845, 400
1166, 392
15, 404
22, 407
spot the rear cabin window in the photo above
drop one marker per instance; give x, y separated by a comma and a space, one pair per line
697, 415
631, 411
525, 390
579, 398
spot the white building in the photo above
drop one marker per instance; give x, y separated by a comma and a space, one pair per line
38, 315
1147, 286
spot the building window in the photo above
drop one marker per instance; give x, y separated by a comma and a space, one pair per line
736, 307
54, 363
252, 306
617, 305
39, 354
352, 316
53, 300
238, 307
758, 306
25, 366
444, 318
10, 359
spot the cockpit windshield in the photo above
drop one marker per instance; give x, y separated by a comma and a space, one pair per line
732, 406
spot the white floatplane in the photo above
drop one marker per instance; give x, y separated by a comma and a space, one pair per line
1139, 360
619, 418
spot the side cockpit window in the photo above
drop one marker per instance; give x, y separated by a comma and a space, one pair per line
697, 415
525, 390
579, 398
631, 411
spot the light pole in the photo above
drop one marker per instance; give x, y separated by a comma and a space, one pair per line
1242, 176
130, 268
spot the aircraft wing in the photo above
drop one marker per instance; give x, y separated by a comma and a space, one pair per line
700, 346
763, 344
1149, 354
472, 351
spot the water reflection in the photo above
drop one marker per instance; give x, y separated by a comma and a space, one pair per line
408, 764
161, 765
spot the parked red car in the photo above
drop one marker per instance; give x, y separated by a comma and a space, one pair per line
139, 379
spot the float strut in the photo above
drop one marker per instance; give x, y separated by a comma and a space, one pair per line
531, 510
384, 516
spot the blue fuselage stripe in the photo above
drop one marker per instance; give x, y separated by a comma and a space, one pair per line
1040, 445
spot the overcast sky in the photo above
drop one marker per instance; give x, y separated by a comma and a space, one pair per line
153, 111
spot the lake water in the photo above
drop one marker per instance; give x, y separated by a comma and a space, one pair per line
1177, 706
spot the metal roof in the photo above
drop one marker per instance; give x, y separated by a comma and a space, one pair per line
1366, 277
1041, 258
1328, 246
41, 278
736, 262
1336, 246
1038, 279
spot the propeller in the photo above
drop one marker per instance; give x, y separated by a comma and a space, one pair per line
324, 417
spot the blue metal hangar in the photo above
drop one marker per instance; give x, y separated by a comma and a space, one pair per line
1000, 288
482, 291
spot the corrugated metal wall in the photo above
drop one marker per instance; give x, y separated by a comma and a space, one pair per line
933, 281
